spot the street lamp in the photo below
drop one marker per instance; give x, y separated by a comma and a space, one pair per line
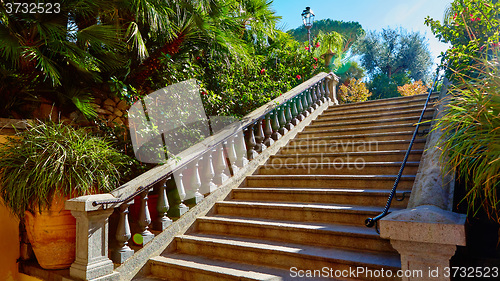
307, 19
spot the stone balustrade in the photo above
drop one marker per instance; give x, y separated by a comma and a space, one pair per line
129, 217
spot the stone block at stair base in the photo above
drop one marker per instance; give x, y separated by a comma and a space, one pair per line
426, 237
177, 211
91, 260
194, 200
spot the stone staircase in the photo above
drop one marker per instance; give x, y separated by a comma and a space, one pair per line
305, 208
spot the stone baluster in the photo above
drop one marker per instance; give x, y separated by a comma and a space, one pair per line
259, 136
300, 108
241, 150
250, 142
305, 105
231, 155
324, 95
220, 166
288, 115
314, 96
144, 220
193, 183
295, 111
275, 125
207, 173
319, 100
162, 206
309, 100
282, 120
268, 131
123, 234
179, 208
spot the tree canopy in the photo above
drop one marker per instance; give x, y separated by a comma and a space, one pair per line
351, 31
394, 51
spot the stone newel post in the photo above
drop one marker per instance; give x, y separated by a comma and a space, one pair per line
92, 260
333, 80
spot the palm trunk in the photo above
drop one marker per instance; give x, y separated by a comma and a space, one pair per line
152, 64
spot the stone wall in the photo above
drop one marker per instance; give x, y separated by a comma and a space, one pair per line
112, 111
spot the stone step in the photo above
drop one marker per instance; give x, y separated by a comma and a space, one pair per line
330, 181
298, 211
284, 255
373, 136
365, 123
346, 157
322, 146
323, 234
372, 116
339, 168
178, 267
362, 130
352, 196
367, 111
385, 103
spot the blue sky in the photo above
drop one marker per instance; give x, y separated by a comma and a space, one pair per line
371, 14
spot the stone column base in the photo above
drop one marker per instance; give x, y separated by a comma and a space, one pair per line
426, 237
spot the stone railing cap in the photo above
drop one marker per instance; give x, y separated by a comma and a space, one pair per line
84, 203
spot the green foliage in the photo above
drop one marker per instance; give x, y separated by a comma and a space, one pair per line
329, 42
472, 120
472, 27
351, 31
393, 52
383, 87
354, 91
50, 159
236, 89
472, 130
350, 69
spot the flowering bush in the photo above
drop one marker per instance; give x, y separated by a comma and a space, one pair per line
411, 89
236, 88
473, 29
354, 91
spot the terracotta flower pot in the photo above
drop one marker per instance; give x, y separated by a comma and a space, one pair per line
328, 57
52, 235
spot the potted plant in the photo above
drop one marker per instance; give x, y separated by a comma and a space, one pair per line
330, 47
42, 167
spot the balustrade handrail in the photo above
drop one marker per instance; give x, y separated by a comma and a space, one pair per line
147, 180
370, 222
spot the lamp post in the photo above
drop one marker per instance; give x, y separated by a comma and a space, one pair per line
307, 19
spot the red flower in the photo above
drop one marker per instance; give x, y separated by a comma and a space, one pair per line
204, 93
455, 16
317, 45
299, 77
316, 59
315, 66
262, 71
198, 58
307, 48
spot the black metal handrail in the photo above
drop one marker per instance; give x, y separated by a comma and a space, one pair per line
370, 222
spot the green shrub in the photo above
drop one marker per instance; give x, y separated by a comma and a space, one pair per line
49, 159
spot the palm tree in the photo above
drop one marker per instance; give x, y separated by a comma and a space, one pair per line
58, 57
